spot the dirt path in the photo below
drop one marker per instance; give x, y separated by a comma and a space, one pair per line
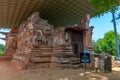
8, 71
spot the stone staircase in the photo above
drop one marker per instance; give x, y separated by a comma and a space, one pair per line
7, 56
37, 57
40, 57
63, 57
46, 56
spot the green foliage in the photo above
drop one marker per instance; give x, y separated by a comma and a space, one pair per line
104, 6
1, 48
106, 44
1, 52
109, 43
97, 46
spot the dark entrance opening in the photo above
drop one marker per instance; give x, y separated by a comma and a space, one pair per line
76, 40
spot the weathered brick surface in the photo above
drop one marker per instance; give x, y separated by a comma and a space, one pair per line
11, 44
62, 50
35, 44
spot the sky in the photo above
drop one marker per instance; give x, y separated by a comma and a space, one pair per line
101, 25
2, 36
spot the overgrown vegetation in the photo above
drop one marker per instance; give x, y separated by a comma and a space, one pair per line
106, 44
2, 48
104, 6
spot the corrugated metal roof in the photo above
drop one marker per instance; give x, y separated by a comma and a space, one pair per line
57, 12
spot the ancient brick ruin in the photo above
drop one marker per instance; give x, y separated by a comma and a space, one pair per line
11, 44
36, 43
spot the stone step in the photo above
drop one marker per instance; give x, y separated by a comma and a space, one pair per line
67, 50
64, 55
34, 64
6, 57
62, 51
40, 60
37, 66
41, 51
18, 64
20, 58
66, 60
36, 46
66, 65
41, 54
42, 48
62, 48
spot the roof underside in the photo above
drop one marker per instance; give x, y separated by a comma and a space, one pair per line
57, 12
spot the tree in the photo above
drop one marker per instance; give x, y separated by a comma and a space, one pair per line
109, 43
105, 6
1, 48
98, 46
118, 15
106, 44
115, 33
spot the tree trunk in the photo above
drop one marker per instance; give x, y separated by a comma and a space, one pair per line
116, 36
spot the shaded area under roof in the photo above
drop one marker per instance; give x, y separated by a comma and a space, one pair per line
57, 12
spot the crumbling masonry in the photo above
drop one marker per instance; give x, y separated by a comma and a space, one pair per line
36, 43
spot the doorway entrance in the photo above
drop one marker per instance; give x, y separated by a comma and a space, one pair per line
76, 40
